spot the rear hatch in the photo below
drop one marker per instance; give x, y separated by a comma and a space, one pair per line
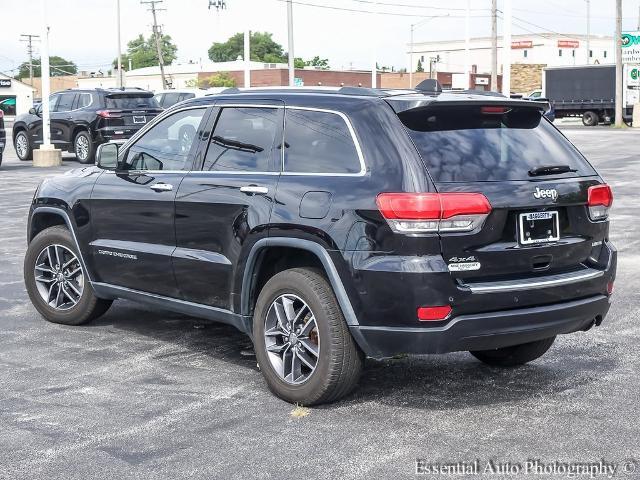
535, 180
128, 111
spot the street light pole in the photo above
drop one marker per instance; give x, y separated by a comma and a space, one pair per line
506, 49
411, 57
292, 73
494, 45
588, 31
119, 83
467, 45
618, 63
45, 86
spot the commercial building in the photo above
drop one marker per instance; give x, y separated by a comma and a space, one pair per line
549, 49
15, 97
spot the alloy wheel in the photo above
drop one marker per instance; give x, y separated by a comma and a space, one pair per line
22, 145
59, 277
82, 147
291, 339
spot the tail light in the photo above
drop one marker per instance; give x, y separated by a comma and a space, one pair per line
431, 314
599, 200
433, 212
108, 114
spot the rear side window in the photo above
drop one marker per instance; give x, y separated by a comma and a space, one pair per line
463, 144
84, 100
318, 142
130, 102
170, 99
65, 103
243, 139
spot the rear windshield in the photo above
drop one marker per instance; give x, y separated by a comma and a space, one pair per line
467, 144
129, 102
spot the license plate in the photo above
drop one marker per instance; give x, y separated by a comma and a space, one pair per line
139, 119
539, 227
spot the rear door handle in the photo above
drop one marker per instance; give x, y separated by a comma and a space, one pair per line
161, 187
254, 189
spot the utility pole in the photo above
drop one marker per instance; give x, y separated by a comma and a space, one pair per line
157, 35
119, 83
413, 25
292, 73
29, 39
467, 46
494, 45
506, 49
588, 31
618, 63
247, 58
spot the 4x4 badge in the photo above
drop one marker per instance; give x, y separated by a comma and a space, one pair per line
548, 193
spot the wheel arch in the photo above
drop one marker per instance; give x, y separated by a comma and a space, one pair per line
44, 217
313, 254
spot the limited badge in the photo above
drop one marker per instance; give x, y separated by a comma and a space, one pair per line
464, 266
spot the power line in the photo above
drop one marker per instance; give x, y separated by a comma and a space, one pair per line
356, 10
429, 7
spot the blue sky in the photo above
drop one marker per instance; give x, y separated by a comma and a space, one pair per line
85, 30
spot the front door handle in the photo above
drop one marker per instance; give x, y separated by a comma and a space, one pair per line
161, 187
254, 189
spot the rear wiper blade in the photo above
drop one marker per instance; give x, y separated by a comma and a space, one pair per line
551, 170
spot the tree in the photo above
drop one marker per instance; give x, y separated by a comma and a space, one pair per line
263, 49
299, 62
419, 68
316, 61
222, 79
143, 53
58, 67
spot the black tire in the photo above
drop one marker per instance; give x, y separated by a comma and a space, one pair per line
27, 153
515, 355
590, 118
85, 153
88, 306
339, 361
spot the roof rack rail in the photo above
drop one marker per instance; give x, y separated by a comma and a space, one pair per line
364, 91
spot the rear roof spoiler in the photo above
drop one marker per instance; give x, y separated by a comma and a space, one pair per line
402, 105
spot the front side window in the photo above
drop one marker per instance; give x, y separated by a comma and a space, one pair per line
170, 99
243, 139
53, 101
167, 144
318, 142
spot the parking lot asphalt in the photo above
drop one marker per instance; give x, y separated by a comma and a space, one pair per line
142, 393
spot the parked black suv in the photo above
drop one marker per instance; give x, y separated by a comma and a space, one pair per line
330, 225
83, 119
3, 135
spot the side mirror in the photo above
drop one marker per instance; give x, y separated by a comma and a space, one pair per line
33, 111
107, 156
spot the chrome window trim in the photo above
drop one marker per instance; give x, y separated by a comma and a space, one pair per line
354, 138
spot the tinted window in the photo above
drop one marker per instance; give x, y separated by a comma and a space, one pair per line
462, 144
242, 139
84, 100
66, 102
170, 99
166, 146
318, 142
130, 102
186, 96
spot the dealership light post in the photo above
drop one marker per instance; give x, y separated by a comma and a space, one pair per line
506, 49
618, 63
46, 155
292, 72
119, 83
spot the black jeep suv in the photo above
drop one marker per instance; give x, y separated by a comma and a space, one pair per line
330, 225
83, 119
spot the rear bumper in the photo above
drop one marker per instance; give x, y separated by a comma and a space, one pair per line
108, 134
484, 331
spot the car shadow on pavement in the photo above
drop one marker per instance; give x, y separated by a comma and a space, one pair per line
432, 382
